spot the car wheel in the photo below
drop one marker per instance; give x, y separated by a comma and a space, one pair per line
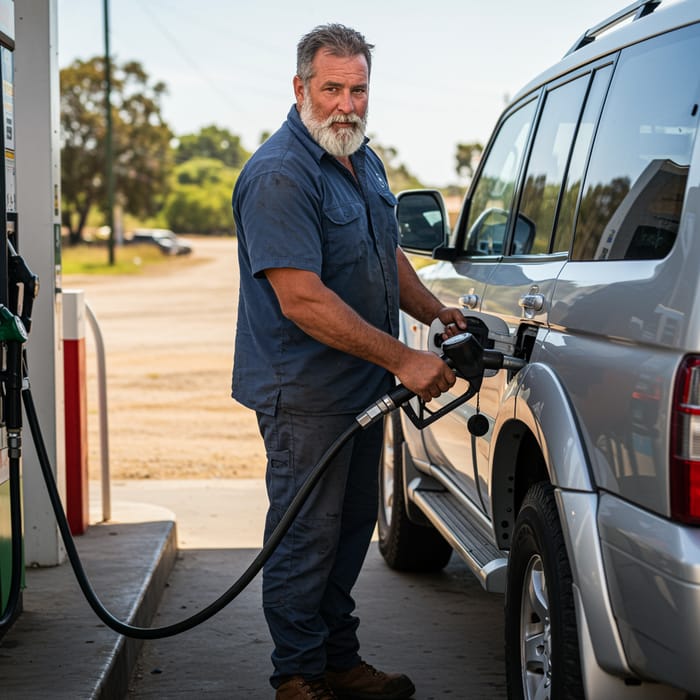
404, 545
542, 653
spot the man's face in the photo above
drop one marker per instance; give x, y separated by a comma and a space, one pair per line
333, 103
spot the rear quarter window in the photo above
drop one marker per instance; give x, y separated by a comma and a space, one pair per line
635, 183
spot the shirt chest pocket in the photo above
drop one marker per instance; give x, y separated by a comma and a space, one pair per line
346, 235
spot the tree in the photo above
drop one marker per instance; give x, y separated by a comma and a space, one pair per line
212, 142
467, 156
141, 141
200, 197
397, 173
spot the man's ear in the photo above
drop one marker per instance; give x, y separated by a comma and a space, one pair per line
298, 90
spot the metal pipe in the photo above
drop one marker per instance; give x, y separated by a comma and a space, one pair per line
102, 410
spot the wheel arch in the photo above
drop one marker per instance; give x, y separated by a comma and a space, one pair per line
536, 437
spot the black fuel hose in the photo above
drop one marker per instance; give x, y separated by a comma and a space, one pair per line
386, 404
398, 396
13, 425
13, 594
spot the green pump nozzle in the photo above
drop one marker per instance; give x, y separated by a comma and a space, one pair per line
11, 327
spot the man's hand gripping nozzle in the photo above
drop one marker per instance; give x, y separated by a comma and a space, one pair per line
465, 355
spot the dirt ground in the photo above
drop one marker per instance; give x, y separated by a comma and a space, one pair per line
168, 335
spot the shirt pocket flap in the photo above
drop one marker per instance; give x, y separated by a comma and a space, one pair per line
389, 198
344, 213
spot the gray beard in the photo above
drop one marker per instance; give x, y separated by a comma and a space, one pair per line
338, 143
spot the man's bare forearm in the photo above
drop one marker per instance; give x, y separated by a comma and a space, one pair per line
323, 315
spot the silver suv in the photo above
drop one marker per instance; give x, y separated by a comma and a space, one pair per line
573, 484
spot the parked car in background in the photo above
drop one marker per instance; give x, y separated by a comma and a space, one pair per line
577, 491
165, 240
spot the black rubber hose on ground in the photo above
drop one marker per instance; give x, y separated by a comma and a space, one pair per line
246, 577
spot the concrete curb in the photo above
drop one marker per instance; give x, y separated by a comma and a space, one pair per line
59, 648
114, 680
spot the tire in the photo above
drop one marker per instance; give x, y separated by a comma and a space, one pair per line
404, 545
542, 652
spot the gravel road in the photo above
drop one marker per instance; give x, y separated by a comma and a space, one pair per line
168, 335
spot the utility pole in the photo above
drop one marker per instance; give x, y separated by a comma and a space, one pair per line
109, 156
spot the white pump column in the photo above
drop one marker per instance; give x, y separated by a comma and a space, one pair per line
37, 119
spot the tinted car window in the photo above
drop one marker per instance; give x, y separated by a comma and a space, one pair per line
636, 179
547, 165
574, 177
492, 197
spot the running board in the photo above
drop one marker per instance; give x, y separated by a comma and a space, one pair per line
485, 560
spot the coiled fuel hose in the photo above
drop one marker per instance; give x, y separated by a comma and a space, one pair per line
386, 404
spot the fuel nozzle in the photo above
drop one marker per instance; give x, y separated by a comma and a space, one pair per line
465, 354
23, 287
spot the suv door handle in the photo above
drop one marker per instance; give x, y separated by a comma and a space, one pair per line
469, 301
532, 302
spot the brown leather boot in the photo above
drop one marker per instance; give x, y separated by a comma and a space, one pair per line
364, 682
298, 688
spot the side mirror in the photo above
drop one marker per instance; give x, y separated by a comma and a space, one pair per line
423, 224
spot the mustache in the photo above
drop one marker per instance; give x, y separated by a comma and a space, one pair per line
344, 119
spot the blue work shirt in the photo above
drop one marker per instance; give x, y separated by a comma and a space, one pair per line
296, 206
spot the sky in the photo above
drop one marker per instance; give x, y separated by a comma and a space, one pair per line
442, 70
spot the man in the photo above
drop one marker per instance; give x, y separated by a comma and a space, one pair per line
322, 280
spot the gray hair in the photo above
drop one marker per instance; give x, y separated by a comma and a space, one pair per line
337, 39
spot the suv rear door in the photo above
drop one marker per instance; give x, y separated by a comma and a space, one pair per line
625, 300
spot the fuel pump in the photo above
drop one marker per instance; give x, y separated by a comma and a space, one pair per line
12, 337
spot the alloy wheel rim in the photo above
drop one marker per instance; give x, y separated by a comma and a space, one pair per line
535, 633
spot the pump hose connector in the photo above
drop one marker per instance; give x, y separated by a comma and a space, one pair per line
494, 359
386, 404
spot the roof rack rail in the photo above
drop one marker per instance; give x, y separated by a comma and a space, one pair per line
640, 9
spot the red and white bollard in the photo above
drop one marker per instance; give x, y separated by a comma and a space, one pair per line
75, 390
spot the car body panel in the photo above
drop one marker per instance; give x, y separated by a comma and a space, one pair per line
621, 390
648, 558
580, 526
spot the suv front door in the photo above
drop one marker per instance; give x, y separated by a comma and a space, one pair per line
463, 281
532, 240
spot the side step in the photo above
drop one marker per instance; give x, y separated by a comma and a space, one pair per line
487, 562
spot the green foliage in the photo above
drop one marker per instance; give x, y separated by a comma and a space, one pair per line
200, 197
598, 205
208, 164
212, 142
140, 139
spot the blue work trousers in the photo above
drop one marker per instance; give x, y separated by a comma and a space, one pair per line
308, 580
